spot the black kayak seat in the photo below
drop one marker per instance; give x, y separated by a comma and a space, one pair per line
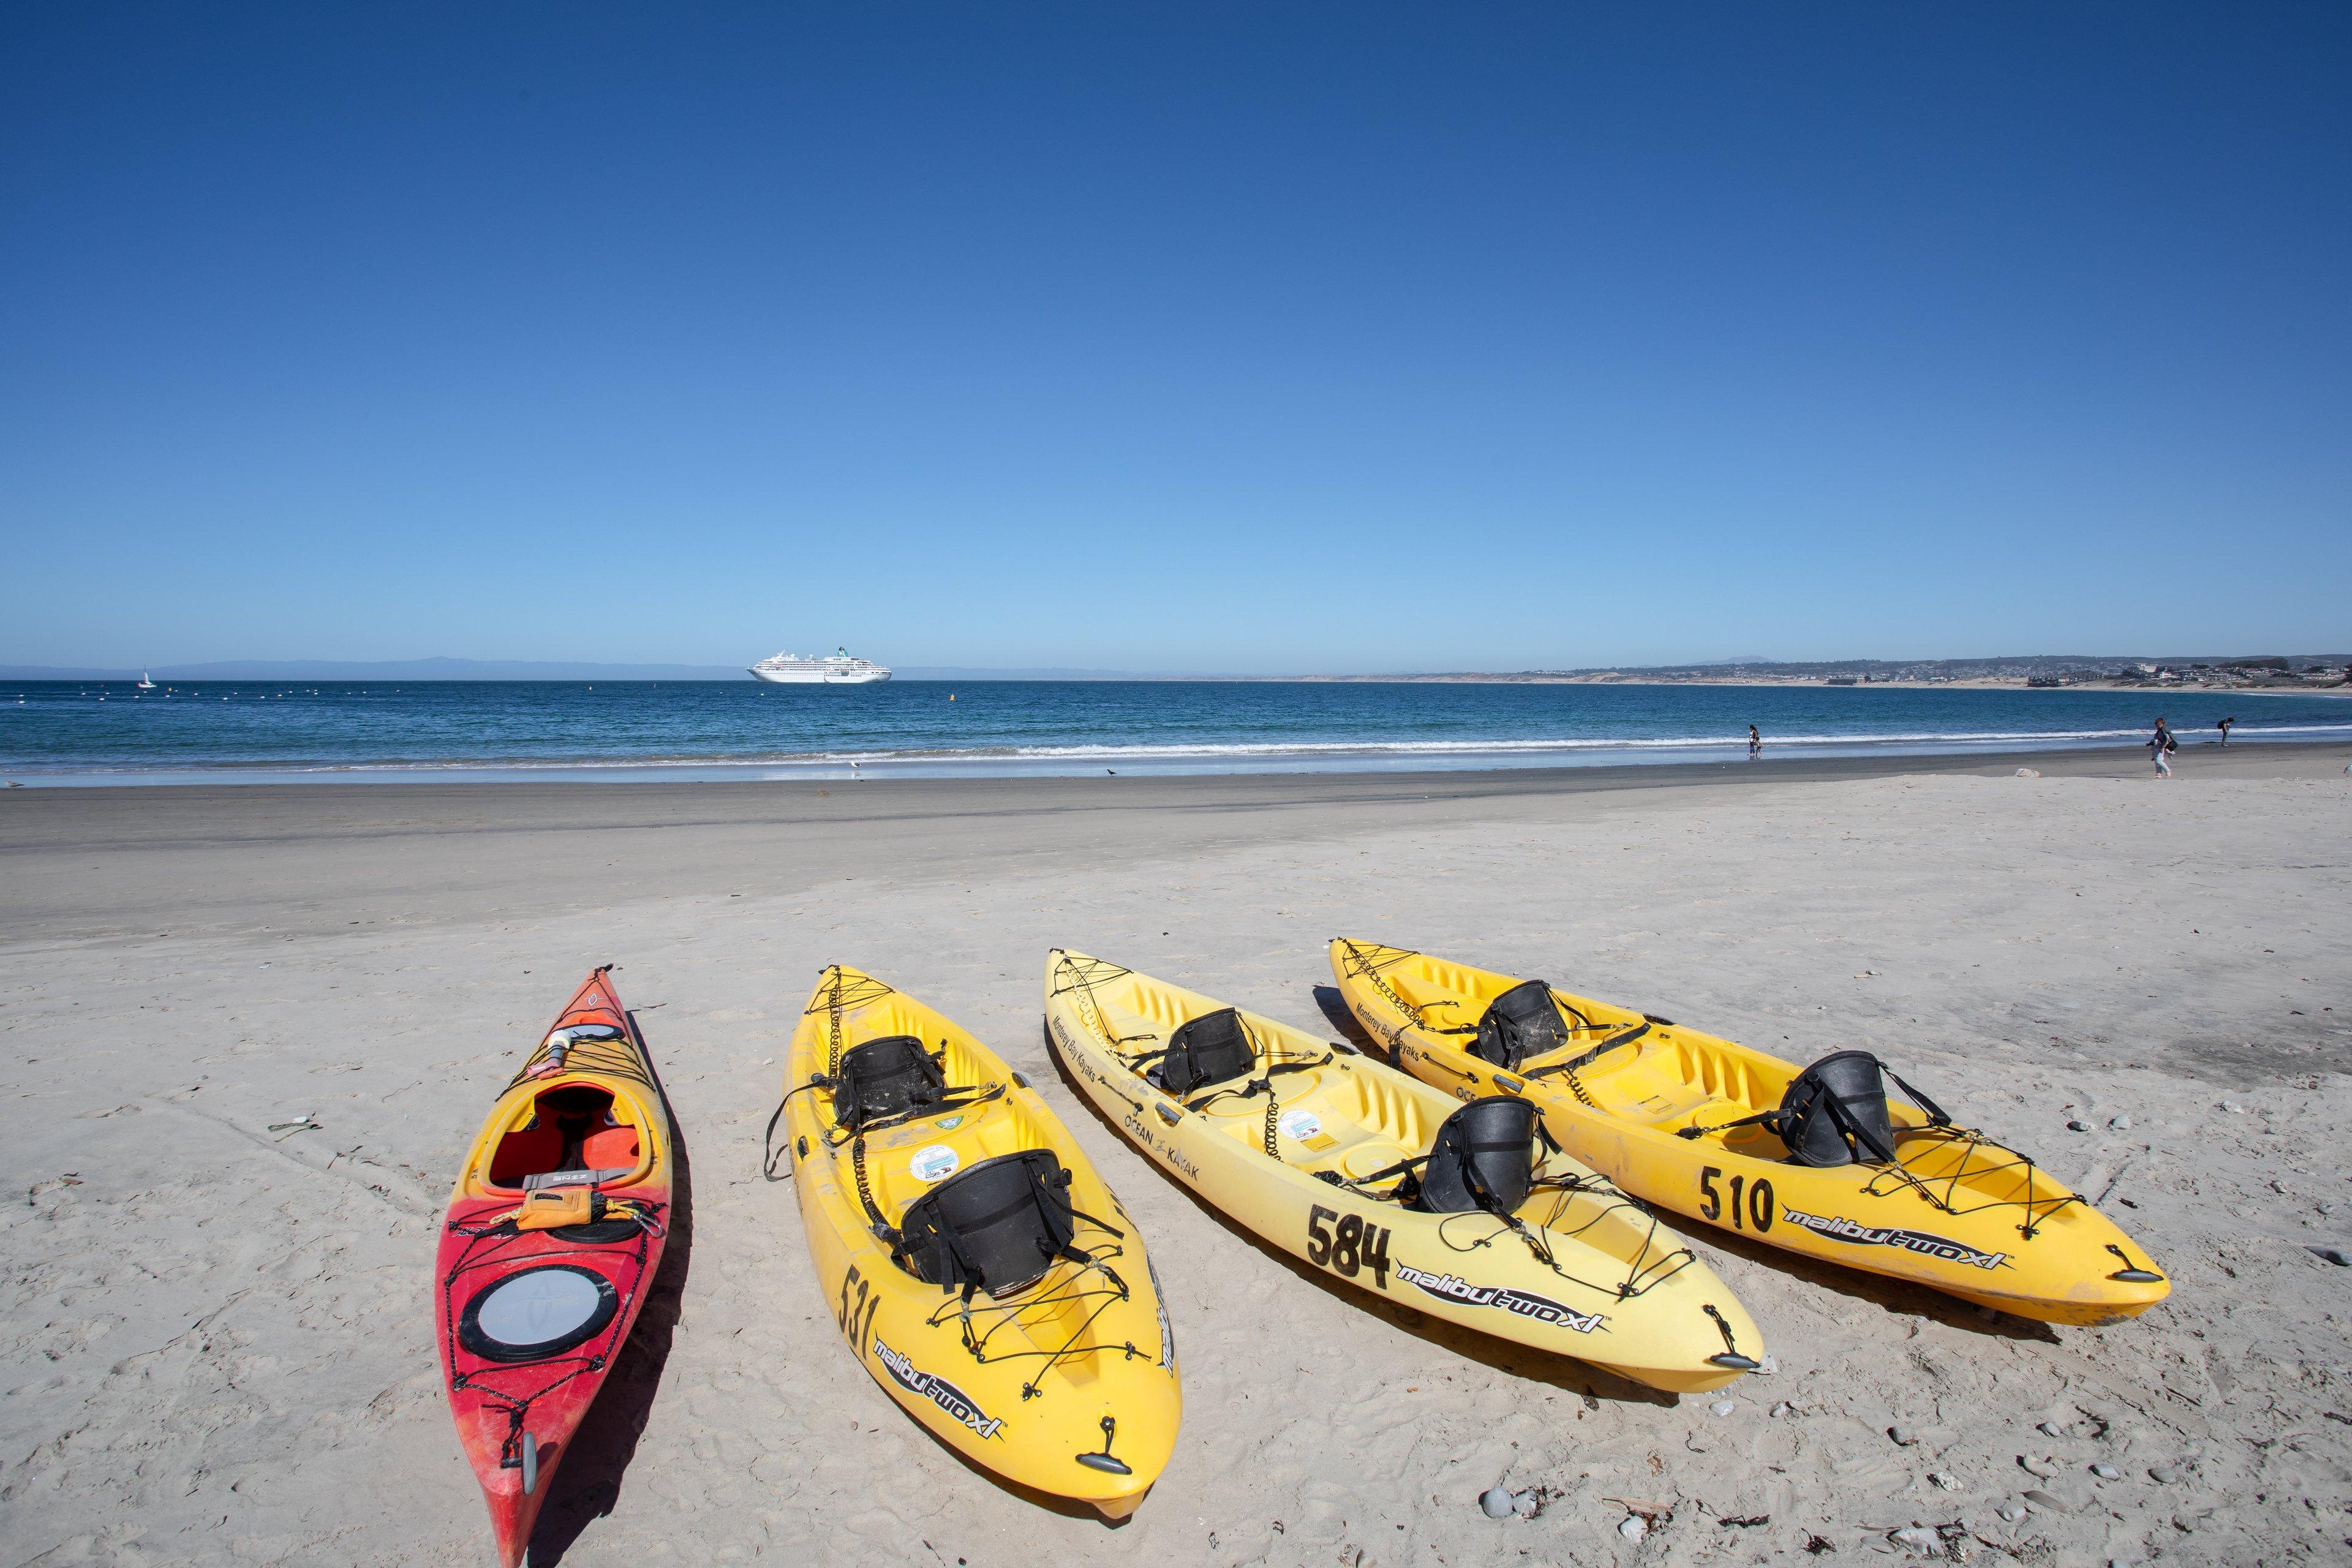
1834, 1113
995, 1226
1523, 1022
883, 1077
1214, 1048
1483, 1158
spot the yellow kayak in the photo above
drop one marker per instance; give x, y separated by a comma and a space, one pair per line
1819, 1161
978, 1267
1452, 1209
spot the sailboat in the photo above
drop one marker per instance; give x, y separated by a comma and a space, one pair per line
146, 682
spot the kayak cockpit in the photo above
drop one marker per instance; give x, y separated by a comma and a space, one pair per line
581, 1130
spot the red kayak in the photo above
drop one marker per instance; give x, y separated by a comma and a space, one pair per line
552, 1238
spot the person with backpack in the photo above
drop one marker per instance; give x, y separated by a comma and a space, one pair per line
2224, 727
2161, 746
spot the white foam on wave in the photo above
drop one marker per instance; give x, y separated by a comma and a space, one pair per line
1203, 751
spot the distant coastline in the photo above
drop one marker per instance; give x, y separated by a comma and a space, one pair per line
2315, 673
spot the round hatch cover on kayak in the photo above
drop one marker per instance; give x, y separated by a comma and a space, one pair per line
538, 1312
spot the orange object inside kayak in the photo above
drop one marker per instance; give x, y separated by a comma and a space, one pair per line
569, 1127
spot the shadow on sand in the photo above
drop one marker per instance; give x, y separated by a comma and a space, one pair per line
589, 1484
1335, 1014
1893, 1297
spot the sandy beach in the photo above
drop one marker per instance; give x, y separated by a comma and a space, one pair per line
219, 1338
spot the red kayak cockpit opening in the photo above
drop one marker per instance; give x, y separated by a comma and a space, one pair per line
575, 1130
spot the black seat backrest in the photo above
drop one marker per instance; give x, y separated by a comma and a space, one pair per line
1483, 1158
1834, 1113
1212, 1048
996, 1227
1522, 1022
885, 1078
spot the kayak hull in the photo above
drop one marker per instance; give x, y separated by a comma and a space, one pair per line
1958, 1212
1073, 1391
518, 1401
1628, 1295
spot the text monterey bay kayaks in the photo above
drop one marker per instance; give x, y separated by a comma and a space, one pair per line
1819, 1161
979, 1268
550, 1242
1393, 1185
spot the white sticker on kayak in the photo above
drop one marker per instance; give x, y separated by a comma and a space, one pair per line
1298, 1126
934, 1161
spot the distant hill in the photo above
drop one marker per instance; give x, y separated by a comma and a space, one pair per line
965, 672
2013, 667
504, 669
386, 669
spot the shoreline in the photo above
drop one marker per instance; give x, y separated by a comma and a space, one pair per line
234, 858
1319, 760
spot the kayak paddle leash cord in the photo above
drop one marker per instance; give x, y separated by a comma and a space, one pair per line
1370, 971
833, 999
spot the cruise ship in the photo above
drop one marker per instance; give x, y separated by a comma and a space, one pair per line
835, 668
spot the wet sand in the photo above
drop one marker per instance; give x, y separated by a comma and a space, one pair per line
219, 1340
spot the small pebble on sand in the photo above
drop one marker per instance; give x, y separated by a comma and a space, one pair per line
2233, 1108
2107, 1472
2011, 1511
1723, 1408
1944, 1479
1635, 1527
2336, 1255
2121, 1124
1497, 1502
2162, 1475
1902, 1436
2078, 1127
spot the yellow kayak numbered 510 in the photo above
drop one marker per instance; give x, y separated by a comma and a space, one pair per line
1820, 1161
979, 1268
1450, 1208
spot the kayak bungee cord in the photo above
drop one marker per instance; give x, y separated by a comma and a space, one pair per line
1083, 980
1047, 1305
1052, 1301
838, 998
2038, 1211
496, 1227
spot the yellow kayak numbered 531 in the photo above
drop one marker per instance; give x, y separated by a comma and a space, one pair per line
979, 1268
1819, 1161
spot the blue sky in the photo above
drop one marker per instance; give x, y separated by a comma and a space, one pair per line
1249, 339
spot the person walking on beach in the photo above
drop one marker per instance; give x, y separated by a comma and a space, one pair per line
2161, 746
1755, 743
2224, 727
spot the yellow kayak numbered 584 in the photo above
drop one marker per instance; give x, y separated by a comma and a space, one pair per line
979, 1268
1451, 1208
1820, 1161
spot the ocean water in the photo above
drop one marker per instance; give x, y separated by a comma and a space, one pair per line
215, 731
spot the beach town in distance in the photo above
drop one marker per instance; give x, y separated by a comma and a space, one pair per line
1414, 888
